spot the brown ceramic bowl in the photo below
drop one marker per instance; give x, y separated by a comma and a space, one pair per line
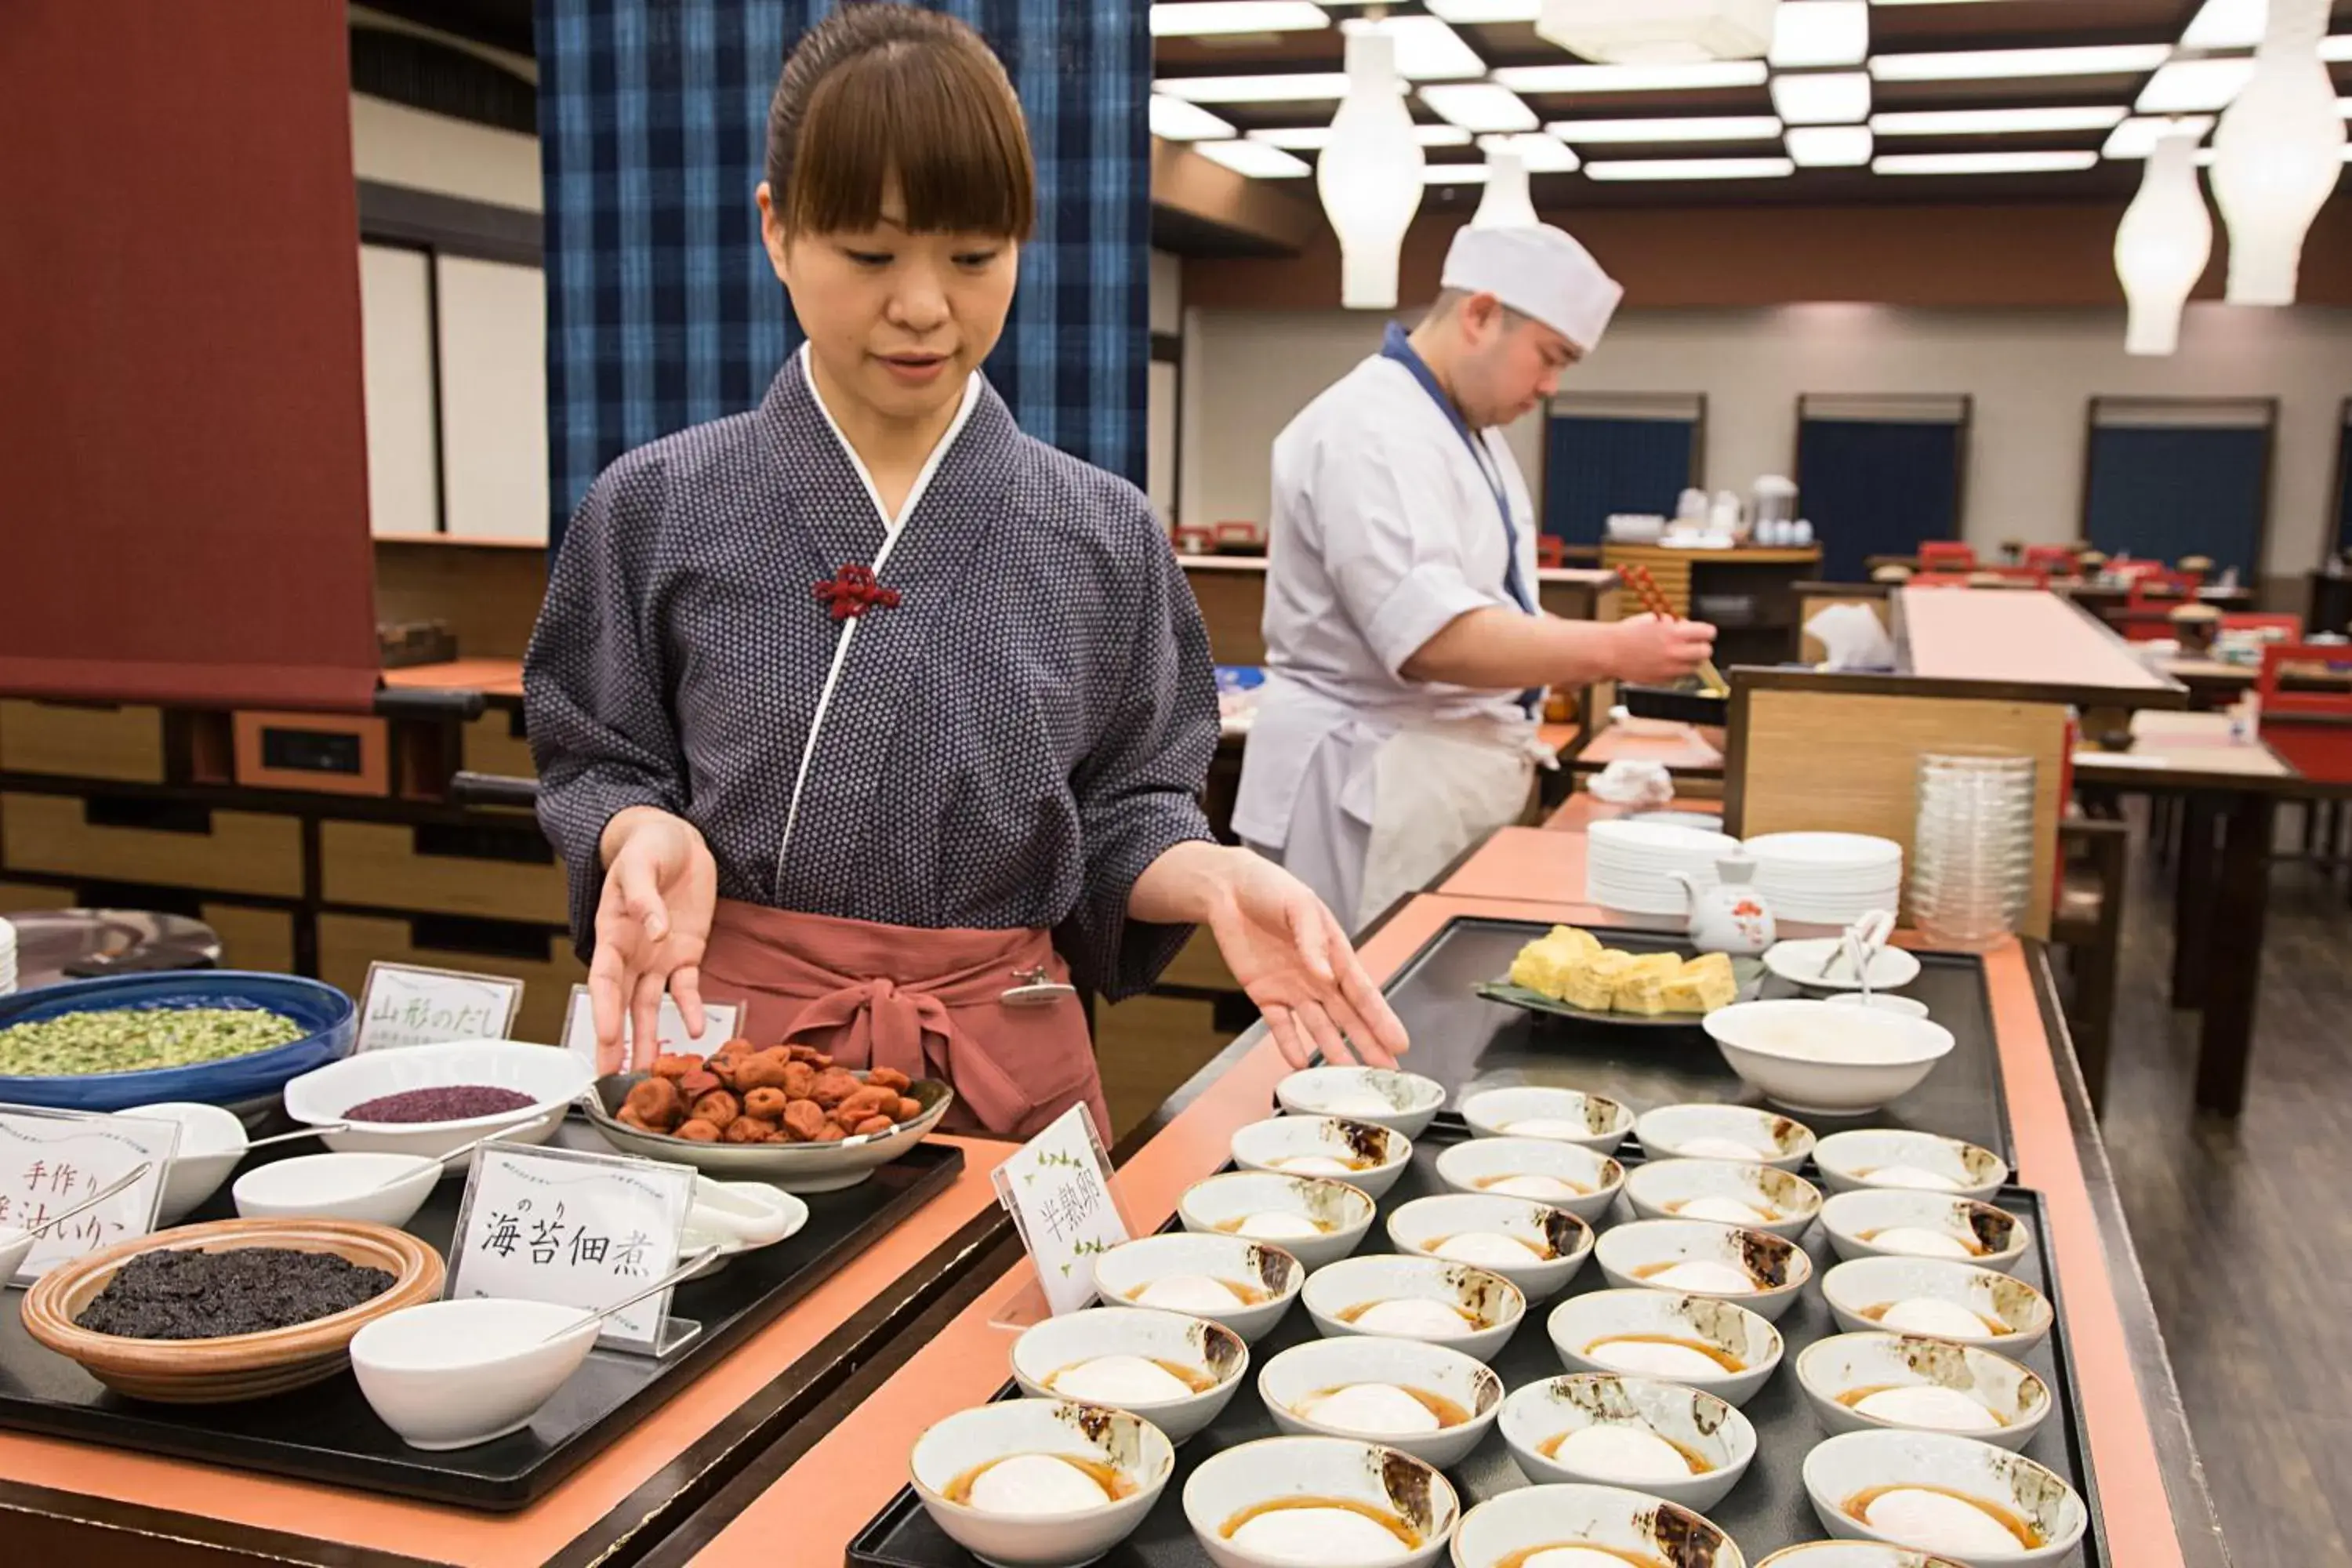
237, 1366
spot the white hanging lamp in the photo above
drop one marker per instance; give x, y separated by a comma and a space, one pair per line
1507, 204
1369, 176
1659, 32
2277, 155
2162, 245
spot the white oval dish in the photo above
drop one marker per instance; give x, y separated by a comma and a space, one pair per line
1489, 1305
737, 1217
1361, 1154
1666, 1189
1259, 1267
1402, 1102
1293, 1378
1799, 963
1582, 1322
1860, 1223
1859, 1293
384, 1189
1206, 1348
1552, 1243
449, 1374
1741, 1133
212, 1141
1642, 1525
1885, 1002
1563, 1175
1343, 1213
552, 1077
1125, 1443
1592, 1122
1845, 1467
1813, 1057
1831, 1370
1251, 1475
1699, 1423
1887, 1157
1775, 1268
1853, 1555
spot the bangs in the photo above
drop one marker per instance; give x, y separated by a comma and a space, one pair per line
943, 122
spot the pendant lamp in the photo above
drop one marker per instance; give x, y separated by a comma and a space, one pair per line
2163, 244
1507, 204
1369, 176
1659, 32
2277, 155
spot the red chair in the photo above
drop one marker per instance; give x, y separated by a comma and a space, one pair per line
1947, 555
2290, 626
1194, 540
1550, 549
2023, 576
2311, 729
1938, 580
1240, 536
2050, 560
2146, 614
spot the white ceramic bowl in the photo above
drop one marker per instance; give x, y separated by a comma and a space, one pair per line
1592, 1122
1640, 1527
1303, 1371
1720, 1132
1538, 1415
1217, 1203
1335, 1295
552, 1077
1555, 1243
1860, 1292
1591, 1180
1847, 1466
1201, 1348
1252, 1475
1581, 1322
15, 1246
1374, 1157
1853, 1555
1126, 1444
1811, 1056
1665, 1188
1776, 1267
211, 1140
1882, 1157
1859, 1220
384, 1189
738, 1217
1885, 1002
1259, 1268
449, 1374
1834, 1371
1403, 1102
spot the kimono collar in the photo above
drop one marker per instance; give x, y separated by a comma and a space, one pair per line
794, 414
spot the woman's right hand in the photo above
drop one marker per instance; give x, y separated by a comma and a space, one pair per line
653, 922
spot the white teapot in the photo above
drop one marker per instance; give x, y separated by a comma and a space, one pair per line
1732, 916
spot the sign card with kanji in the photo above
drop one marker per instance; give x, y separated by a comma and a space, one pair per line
409, 1005
575, 1228
718, 1020
52, 1160
1058, 1187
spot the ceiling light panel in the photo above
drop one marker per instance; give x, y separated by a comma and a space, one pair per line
1296, 86
1689, 128
1315, 137
1174, 120
1256, 159
1631, 78
1991, 65
1454, 174
1427, 50
2227, 25
1479, 106
1200, 18
1541, 154
2138, 137
1487, 10
1820, 33
2184, 86
1994, 122
2337, 50
1823, 98
1829, 146
1981, 162
1693, 169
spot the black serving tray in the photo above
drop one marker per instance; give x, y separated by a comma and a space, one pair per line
1467, 1043
327, 1431
1767, 1511
1686, 704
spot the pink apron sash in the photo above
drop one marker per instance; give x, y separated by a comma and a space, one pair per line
927, 1002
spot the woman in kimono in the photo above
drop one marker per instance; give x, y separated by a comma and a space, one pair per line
870, 709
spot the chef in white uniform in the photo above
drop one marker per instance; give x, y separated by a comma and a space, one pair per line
1405, 652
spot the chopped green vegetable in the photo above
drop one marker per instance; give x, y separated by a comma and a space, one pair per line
135, 1039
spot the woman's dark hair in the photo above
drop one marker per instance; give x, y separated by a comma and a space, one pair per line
879, 88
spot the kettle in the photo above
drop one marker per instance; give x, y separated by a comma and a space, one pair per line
1730, 917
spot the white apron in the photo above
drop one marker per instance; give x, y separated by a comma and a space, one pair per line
1436, 792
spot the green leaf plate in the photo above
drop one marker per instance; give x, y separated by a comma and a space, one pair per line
1749, 972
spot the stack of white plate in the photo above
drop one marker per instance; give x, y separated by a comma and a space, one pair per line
7, 958
1827, 879
1629, 866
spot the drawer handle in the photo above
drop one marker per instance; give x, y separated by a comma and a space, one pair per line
156, 816
522, 847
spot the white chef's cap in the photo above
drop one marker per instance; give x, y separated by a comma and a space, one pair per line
1541, 273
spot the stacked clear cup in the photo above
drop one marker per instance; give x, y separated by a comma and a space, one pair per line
1972, 850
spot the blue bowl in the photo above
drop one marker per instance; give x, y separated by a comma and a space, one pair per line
329, 1020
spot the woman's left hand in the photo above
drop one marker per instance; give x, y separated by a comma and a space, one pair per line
1297, 964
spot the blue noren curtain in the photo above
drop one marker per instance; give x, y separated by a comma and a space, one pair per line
1595, 466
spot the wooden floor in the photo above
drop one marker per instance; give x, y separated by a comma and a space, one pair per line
2244, 1227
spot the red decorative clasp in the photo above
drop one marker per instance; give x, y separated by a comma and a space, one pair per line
853, 591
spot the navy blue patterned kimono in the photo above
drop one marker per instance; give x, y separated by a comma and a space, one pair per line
1008, 746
